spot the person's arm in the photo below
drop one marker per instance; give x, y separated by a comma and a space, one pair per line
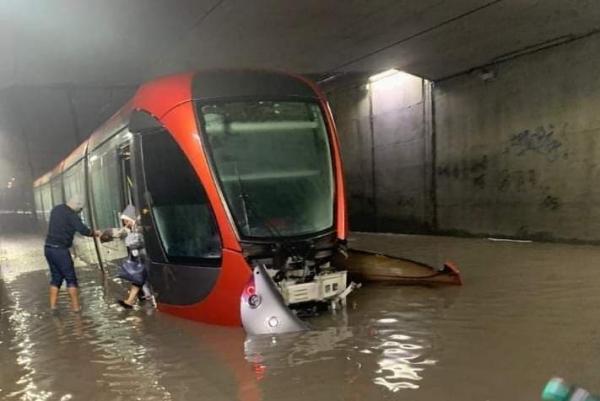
82, 228
111, 234
120, 233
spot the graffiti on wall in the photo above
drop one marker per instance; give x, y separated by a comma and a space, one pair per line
544, 140
473, 170
517, 180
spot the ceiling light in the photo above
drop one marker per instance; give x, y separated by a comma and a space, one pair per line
384, 74
487, 75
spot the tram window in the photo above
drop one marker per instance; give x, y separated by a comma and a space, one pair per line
106, 191
39, 208
57, 195
126, 173
37, 197
274, 164
46, 196
74, 183
181, 209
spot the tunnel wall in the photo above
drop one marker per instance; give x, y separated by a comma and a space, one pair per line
41, 125
385, 144
57, 119
518, 156
12, 162
351, 110
515, 156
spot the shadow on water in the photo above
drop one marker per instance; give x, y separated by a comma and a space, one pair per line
373, 347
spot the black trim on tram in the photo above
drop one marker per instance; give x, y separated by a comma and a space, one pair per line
175, 280
180, 284
235, 84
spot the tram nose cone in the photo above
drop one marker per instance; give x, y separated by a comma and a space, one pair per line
263, 309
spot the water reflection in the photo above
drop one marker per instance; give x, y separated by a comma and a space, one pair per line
401, 359
391, 349
503, 334
113, 354
23, 347
51, 350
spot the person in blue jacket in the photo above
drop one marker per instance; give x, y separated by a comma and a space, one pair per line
64, 223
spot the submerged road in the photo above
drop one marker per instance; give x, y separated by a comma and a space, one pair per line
525, 313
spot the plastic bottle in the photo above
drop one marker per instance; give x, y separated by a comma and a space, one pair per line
558, 390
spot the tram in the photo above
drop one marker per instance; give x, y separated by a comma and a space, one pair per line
237, 177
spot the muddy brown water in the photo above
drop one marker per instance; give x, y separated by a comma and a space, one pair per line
525, 313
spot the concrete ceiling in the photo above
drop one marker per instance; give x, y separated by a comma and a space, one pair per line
123, 42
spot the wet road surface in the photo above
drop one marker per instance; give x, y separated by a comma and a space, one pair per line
525, 313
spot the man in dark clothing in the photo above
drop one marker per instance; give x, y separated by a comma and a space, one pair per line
64, 223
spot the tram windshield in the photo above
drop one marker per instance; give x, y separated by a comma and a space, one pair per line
274, 165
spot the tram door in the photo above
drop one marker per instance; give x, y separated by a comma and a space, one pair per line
112, 188
180, 234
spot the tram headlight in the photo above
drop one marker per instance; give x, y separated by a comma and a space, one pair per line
250, 296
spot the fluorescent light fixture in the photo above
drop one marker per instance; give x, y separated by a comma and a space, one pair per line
384, 74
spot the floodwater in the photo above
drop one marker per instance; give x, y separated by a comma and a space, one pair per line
525, 313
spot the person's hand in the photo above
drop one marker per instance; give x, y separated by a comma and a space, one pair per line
106, 236
97, 233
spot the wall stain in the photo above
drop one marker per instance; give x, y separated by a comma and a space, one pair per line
406, 202
543, 140
479, 165
550, 203
532, 177
479, 181
523, 232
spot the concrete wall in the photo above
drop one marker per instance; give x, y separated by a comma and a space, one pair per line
351, 107
12, 164
385, 145
518, 156
515, 156
39, 126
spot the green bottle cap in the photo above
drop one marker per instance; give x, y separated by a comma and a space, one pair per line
556, 390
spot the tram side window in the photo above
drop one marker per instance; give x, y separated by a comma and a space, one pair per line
39, 208
181, 209
74, 182
57, 195
105, 184
38, 202
46, 196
